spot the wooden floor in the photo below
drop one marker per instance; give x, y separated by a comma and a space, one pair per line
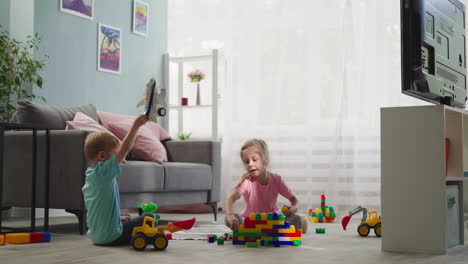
335, 246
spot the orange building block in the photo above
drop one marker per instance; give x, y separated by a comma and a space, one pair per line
18, 238
2, 240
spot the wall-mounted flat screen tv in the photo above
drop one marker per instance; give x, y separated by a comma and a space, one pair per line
433, 55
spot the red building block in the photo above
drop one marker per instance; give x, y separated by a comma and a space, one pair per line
252, 223
296, 234
267, 230
36, 237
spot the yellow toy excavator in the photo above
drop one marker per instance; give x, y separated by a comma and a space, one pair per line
148, 233
373, 221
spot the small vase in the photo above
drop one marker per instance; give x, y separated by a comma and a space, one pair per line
198, 93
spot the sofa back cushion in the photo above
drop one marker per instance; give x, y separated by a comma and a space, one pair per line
147, 145
54, 117
157, 130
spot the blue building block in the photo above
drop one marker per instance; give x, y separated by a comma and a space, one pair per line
275, 216
238, 242
285, 226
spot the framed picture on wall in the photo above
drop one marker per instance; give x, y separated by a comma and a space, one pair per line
82, 8
109, 49
140, 17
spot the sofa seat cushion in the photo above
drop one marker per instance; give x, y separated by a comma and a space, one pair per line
183, 176
141, 176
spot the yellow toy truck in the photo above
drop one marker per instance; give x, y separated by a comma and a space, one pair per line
369, 220
147, 233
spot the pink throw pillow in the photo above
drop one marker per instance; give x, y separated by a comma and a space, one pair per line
147, 145
84, 122
155, 128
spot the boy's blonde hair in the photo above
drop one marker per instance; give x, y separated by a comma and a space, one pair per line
99, 141
262, 149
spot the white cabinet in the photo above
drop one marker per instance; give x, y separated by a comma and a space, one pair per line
175, 98
419, 212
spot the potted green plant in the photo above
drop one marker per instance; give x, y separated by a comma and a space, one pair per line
18, 70
184, 136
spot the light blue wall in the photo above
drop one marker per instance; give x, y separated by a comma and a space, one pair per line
21, 19
71, 76
5, 14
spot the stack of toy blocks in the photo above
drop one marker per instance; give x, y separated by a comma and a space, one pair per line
264, 229
324, 213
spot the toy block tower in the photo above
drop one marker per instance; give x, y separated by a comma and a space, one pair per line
325, 212
265, 229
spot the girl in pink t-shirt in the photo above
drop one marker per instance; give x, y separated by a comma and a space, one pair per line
260, 188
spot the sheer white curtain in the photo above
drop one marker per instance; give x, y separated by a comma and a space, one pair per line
309, 77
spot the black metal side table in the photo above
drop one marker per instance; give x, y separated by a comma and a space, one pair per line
34, 128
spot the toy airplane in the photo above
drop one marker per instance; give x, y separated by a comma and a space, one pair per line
156, 103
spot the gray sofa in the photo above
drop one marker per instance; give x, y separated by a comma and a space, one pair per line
191, 175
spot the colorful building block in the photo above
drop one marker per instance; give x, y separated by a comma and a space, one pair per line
274, 231
18, 238
220, 241
211, 238
36, 237
320, 230
2, 240
251, 244
169, 236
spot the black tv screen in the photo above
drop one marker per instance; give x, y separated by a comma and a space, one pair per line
433, 51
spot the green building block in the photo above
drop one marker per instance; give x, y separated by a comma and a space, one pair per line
320, 216
296, 243
281, 216
258, 216
249, 235
269, 216
251, 244
220, 241
320, 230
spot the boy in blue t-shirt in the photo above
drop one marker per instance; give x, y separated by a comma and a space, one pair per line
101, 192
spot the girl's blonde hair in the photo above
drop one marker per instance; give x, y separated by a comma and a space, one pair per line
261, 148
97, 142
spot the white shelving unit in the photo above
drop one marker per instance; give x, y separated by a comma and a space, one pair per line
420, 213
181, 61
